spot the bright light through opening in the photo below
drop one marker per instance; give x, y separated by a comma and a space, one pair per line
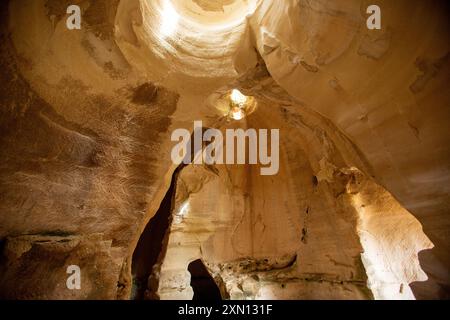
238, 98
169, 18
238, 101
183, 211
237, 113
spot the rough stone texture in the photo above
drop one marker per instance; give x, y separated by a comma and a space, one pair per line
85, 144
276, 237
46, 258
78, 147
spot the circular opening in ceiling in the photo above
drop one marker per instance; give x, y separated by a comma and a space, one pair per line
240, 105
213, 12
233, 104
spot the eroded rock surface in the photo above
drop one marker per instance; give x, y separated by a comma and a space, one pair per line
358, 210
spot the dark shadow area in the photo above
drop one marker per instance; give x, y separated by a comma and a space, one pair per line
151, 245
204, 286
151, 242
435, 287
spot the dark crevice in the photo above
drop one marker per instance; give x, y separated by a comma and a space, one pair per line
151, 247
151, 242
203, 284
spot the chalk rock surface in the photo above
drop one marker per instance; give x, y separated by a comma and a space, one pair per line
359, 208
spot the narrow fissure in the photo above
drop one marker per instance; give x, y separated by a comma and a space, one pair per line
151, 242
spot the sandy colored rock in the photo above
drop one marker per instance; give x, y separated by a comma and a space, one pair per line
358, 210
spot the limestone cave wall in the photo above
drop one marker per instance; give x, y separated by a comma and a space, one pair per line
359, 208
